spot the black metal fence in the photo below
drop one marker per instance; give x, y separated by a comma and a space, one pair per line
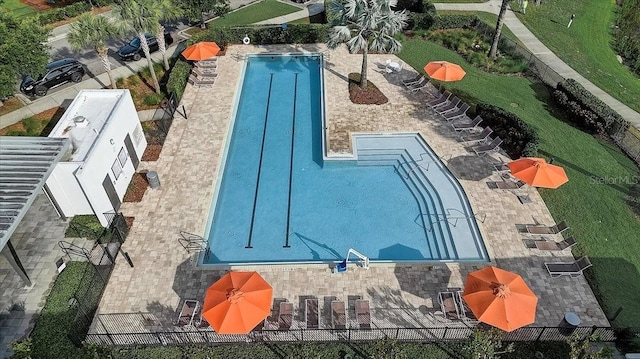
96, 276
423, 335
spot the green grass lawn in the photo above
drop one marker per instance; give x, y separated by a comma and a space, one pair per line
605, 228
586, 46
250, 14
459, 1
17, 8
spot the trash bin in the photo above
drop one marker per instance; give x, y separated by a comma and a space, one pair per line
152, 178
569, 323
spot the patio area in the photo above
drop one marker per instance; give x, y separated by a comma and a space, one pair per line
401, 296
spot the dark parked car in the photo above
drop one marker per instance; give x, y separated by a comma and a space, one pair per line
133, 50
58, 73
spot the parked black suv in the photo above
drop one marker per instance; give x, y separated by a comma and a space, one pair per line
58, 72
133, 50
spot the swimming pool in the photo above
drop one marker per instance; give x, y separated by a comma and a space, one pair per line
281, 201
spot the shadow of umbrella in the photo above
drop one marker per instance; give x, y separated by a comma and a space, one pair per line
469, 168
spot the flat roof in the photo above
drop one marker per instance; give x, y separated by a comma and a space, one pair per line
25, 164
85, 119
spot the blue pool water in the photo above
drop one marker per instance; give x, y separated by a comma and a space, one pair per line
279, 201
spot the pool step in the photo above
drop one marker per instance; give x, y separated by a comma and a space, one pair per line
436, 228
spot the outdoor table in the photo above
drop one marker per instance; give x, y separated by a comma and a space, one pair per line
572, 319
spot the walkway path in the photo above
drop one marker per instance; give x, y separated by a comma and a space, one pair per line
545, 55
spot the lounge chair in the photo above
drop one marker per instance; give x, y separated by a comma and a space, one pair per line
573, 269
463, 309
416, 80
460, 112
555, 246
476, 138
311, 313
363, 314
393, 67
212, 63
449, 106
448, 305
338, 315
188, 312
420, 87
507, 184
208, 82
285, 316
203, 72
467, 125
443, 98
541, 230
490, 147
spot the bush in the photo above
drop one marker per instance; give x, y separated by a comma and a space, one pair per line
62, 13
294, 33
454, 21
520, 139
587, 111
87, 226
178, 78
417, 21
152, 99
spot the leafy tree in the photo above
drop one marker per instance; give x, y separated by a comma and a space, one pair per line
366, 25
196, 9
486, 344
493, 52
94, 31
23, 50
163, 10
137, 16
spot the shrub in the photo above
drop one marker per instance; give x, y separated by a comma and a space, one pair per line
418, 21
454, 21
178, 78
587, 111
152, 99
87, 226
62, 13
294, 33
520, 139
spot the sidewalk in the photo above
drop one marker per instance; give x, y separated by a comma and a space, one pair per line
545, 55
313, 7
69, 93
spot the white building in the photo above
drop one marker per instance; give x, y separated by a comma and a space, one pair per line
107, 144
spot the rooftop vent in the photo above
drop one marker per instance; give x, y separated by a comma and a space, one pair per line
80, 121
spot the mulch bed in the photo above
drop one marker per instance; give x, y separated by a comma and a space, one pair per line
370, 95
129, 221
136, 189
152, 153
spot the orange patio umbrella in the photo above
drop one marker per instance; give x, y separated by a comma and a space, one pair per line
444, 71
538, 173
237, 302
201, 51
500, 298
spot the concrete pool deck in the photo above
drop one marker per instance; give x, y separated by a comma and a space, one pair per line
401, 295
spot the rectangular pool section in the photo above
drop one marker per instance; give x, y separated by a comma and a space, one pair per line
279, 202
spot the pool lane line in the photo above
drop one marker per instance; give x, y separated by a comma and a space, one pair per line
255, 195
293, 132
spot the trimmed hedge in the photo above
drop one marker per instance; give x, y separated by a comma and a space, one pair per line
62, 13
293, 34
454, 21
519, 139
586, 110
178, 78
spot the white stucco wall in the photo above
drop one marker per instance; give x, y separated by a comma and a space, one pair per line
66, 190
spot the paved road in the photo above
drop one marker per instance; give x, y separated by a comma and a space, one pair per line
544, 54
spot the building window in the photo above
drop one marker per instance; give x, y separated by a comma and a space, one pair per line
137, 135
116, 168
122, 157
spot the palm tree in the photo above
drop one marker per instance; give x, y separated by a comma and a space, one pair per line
366, 25
95, 31
138, 17
163, 10
493, 52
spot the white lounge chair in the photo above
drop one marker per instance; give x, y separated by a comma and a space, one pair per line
573, 269
476, 138
467, 125
460, 112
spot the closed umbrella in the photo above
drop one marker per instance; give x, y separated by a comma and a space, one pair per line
237, 302
500, 298
538, 173
201, 51
444, 71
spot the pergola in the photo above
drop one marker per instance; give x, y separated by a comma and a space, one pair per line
25, 164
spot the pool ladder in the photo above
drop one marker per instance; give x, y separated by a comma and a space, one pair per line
417, 165
192, 243
453, 220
